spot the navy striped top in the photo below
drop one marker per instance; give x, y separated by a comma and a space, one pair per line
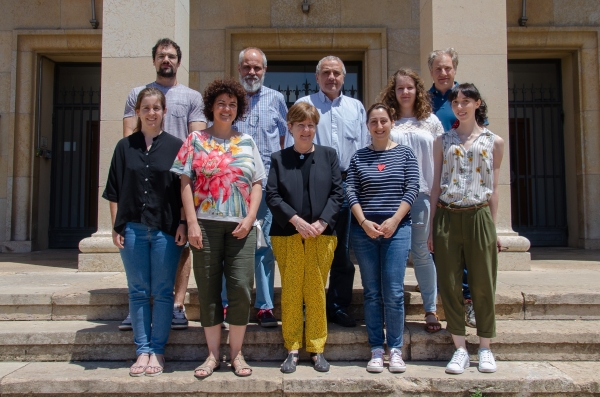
380, 181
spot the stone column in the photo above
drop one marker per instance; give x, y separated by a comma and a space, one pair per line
477, 30
130, 30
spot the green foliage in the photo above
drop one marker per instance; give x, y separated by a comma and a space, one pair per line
477, 393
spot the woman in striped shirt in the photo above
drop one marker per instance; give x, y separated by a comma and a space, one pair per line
382, 184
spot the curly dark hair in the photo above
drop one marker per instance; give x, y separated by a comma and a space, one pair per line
470, 91
166, 43
229, 87
421, 108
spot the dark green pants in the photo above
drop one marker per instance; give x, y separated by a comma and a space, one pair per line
459, 238
221, 254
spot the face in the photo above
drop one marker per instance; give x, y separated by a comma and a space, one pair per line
225, 108
464, 108
379, 124
166, 62
442, 72
252, 71
303, 132
406, 92
330, 78
151, 113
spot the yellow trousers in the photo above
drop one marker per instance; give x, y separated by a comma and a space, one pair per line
304, 266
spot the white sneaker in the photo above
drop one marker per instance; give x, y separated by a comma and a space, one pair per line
397, 365
376, 362
460, 361
487, 363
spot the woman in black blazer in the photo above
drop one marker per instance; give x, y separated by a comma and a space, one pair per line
304, 194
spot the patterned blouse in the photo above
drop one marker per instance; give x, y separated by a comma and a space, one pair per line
419, 136
467, 175
222, 172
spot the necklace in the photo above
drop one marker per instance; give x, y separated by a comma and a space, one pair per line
302, 154
380, 165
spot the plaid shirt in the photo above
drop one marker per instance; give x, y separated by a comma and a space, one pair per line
265, 122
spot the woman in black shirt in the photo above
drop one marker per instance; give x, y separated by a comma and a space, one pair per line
148, 227
304, 193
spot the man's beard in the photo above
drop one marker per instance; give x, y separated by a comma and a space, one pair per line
254, 84
165, 72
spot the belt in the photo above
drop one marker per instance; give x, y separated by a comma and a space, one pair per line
344, 175
452, 207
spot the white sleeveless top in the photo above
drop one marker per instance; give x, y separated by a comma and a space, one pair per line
419, 136
467, 175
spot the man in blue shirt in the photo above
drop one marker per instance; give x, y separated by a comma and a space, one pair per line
342, 126
442, 67
265, 122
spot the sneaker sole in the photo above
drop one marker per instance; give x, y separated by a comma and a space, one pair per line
487, 371
397, 370
269, 324
454, 372
375, 370
179, 327
125, 328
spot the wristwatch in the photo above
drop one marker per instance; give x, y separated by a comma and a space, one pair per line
323, 223
182, 222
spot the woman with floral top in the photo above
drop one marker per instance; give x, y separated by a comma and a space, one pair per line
464, 204
416, 127
221, 172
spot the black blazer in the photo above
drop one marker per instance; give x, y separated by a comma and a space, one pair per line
284, 189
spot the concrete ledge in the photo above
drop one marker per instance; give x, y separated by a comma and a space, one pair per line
347, 378
100, 262
511, 261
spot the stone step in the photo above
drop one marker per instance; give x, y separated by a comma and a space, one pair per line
517, 340
423, 379
112, 304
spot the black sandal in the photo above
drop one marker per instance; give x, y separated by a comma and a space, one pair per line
320, 363
289, 365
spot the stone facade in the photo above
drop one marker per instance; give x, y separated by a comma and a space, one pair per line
383, 34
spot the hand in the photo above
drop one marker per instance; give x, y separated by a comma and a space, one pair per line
305, 229
180, 236
118, 240
243, 228
320, 228
372, 229
388, 227
499, 244
194, 234
430, 243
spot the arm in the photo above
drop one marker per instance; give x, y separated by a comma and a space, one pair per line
181, 236
194, 232
438, 158
118, 240
244, 227
196, 126
281, 120
352, 186
129, 124
498, 153
411, 191
335, 199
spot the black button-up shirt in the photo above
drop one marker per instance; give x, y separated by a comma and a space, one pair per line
141, 183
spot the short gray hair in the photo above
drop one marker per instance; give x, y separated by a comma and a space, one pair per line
264, 57
451, 52
331, 58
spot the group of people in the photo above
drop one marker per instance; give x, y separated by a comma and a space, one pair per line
243, 181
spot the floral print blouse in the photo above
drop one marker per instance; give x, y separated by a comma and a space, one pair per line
467, 175
222, 173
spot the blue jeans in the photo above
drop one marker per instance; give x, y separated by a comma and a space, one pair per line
423, 262
150, 257
341, 275
264, 264
382, 263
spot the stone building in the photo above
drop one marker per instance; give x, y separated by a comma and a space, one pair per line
63, 84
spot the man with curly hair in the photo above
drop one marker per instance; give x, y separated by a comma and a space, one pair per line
184, 114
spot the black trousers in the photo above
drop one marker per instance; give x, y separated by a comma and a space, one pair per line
341, 275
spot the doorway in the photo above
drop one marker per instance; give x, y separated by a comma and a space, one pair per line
537, 157
75, 154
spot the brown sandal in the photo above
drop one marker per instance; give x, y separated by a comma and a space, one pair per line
207, 367
239, 364
430, 326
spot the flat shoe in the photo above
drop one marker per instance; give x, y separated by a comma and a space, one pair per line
239, 364
207, 368
160, 367
136, 366
289, 365
320, 363
432, 323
